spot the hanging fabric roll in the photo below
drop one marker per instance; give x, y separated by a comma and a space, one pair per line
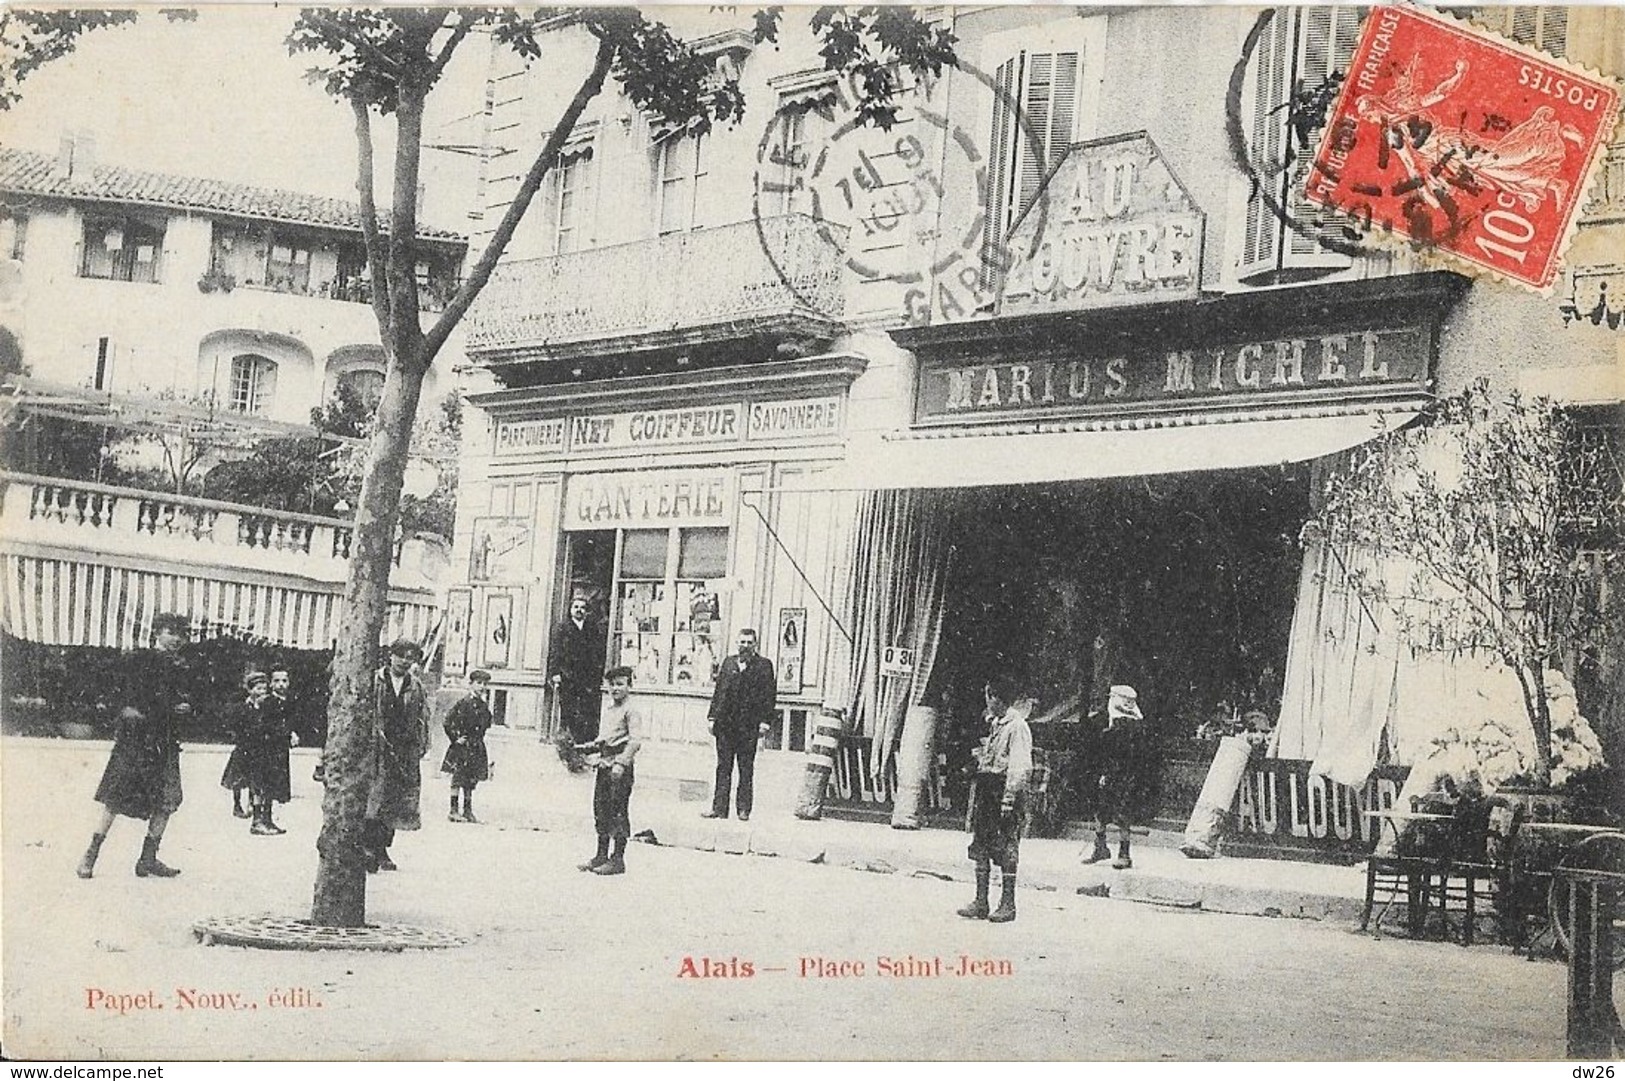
915, 755
1218, 794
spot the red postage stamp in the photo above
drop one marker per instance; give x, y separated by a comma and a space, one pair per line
1463, 143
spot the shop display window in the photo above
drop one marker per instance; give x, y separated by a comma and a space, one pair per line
668, 620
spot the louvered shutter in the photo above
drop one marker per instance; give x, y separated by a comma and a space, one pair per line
1270, 85
1326, 40
1045, 84
1001, 146
1300, 47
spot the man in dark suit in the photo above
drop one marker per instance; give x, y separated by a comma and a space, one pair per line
742, 709
575, 667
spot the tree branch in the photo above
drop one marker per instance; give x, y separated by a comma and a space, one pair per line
486, 264
369, 214
464, 25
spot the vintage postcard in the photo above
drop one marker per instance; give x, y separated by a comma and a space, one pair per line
907, 533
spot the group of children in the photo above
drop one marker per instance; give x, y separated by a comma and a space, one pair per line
998, 797
258, 765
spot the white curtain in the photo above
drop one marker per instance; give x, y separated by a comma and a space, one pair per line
1353, 683
899, 575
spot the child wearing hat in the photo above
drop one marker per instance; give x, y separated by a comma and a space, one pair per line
612, 754
1118, 774
466, 758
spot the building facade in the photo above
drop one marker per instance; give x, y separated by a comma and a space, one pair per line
222, 312
1037, 382
140, 284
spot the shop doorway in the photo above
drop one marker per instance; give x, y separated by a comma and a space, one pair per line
1181, 585
589, 570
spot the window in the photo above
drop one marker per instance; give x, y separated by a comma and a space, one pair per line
681, 175
667, 617
1299, 47
287, 266
800, 128
1051, 73
366, 383
253, 383
13, 234
571, 205
121, 249
103, 378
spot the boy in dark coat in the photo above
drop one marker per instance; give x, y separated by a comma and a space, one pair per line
1118, 773
143, 774
466, 758
235, 775
400, 739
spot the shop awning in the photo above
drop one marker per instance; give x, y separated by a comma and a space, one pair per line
959, 459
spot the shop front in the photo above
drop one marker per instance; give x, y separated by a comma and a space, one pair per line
655, 500
1118, 495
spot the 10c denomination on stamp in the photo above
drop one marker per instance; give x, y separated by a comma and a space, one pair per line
1463, 143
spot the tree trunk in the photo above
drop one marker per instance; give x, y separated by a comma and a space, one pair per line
340, 899
341, 877
1532, 679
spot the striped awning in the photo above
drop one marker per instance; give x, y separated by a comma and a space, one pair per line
63, 602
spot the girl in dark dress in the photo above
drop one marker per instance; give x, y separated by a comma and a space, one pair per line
265, 724
143, 774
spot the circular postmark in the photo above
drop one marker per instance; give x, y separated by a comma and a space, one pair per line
869, 203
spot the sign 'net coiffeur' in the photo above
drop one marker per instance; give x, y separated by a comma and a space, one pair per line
1120, 229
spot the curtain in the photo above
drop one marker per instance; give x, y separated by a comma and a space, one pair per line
899, 573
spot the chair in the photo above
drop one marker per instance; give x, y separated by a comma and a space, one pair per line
1480, 861
1421, 857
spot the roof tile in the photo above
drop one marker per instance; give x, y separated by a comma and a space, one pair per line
31, 173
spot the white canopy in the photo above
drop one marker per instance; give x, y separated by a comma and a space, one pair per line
961, 459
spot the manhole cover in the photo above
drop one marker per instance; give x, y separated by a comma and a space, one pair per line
286, 933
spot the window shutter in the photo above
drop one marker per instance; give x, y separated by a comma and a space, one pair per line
1327, 37
1261, 229
1300, 47
1001, 146
265, 392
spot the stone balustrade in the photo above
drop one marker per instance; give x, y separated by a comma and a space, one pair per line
66, 516
782, 268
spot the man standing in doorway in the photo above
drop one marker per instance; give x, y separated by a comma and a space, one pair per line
742, 710
575, 668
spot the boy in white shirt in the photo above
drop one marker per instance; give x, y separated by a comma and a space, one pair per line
612, 754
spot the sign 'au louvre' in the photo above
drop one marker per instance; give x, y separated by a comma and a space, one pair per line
1120, 229
1352, 363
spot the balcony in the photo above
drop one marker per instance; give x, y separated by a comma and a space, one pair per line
707, 284
80, 520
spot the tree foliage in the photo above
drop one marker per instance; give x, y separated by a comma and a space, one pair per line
1485, 524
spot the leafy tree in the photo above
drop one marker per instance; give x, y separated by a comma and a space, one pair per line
1485, 525
309, 474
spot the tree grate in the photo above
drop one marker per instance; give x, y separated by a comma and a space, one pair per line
287, 933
